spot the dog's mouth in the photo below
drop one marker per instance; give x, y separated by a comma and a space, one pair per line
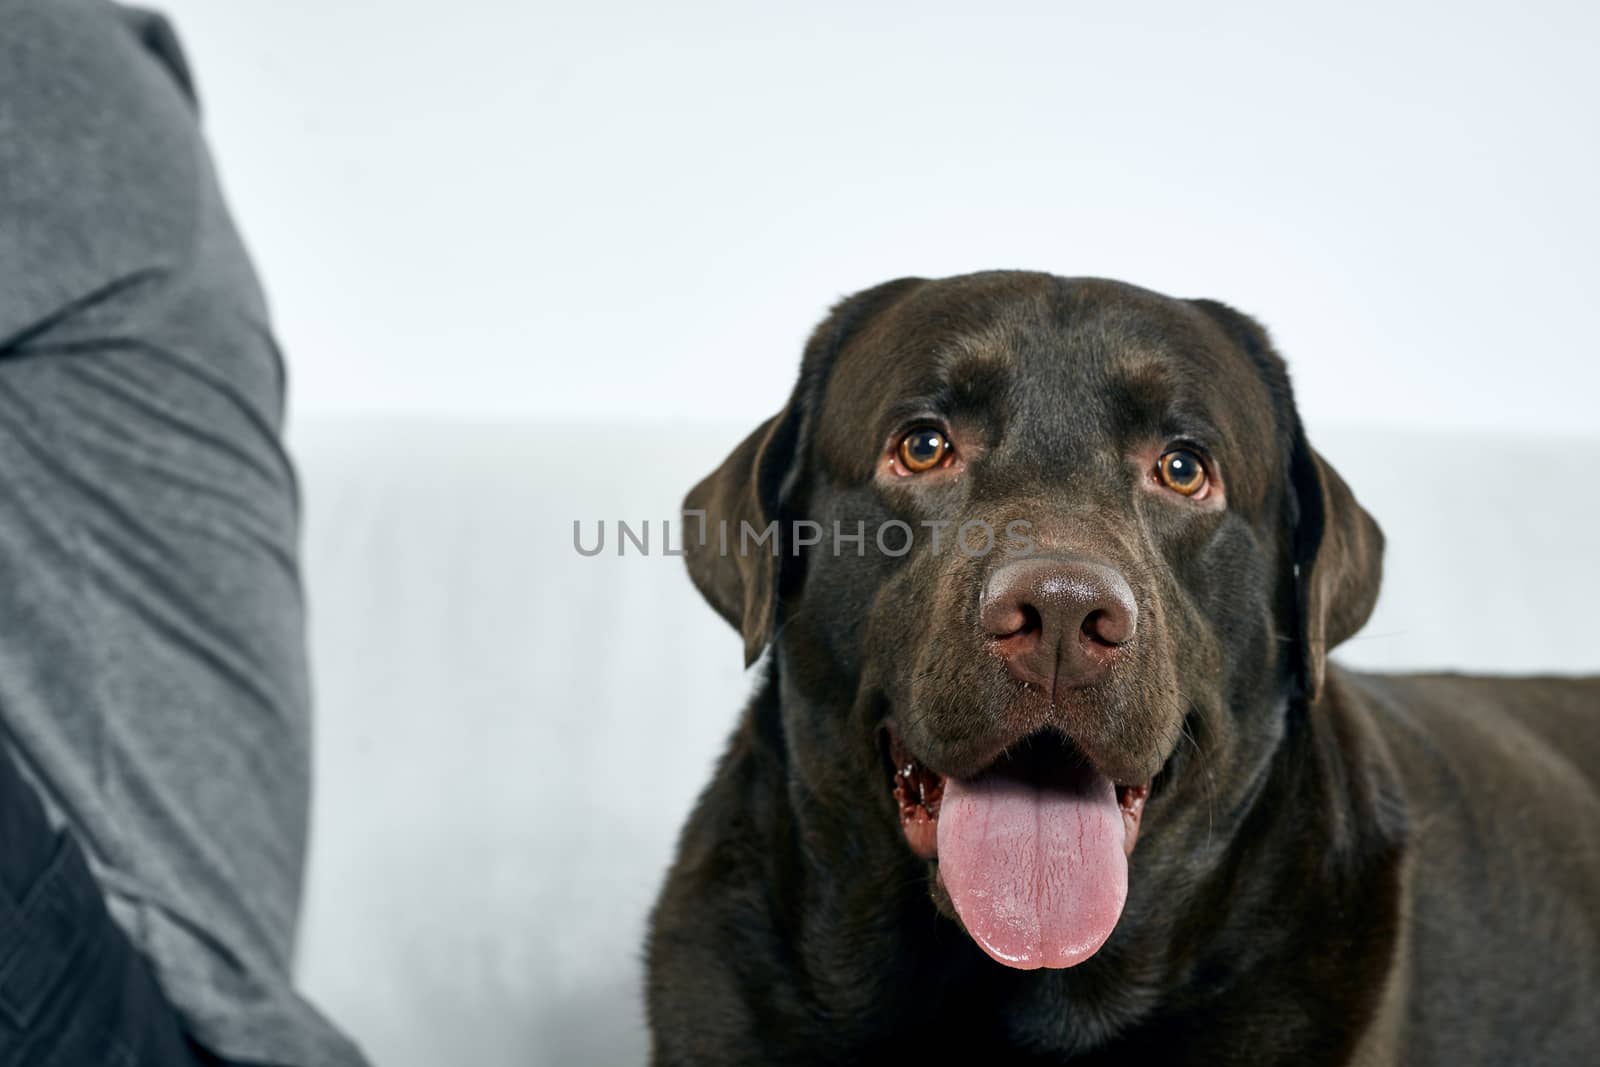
1032, 850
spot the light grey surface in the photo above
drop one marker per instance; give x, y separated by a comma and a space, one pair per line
509, 734
474, 207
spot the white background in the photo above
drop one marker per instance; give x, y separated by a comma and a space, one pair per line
606, 209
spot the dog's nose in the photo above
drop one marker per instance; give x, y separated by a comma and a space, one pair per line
1057, 623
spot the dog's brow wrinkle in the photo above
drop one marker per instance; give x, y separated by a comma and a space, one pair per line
1146, 382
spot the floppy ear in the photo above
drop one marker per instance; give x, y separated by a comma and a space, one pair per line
761, 482
1335, 547
1338, 556
740, 580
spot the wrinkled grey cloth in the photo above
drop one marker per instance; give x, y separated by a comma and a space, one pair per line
152, 662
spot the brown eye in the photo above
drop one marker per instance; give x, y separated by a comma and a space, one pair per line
1182, 471
923, 449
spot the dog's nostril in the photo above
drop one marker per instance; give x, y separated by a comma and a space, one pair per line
1016, 630
1006, 618
1106, 628
1031, 623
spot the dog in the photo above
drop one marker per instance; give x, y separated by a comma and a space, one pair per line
1046, 762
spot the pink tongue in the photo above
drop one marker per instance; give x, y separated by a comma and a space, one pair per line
1038, 875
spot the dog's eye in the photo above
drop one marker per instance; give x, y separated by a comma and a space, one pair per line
1182, 471
923, 449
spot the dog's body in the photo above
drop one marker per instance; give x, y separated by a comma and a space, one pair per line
1331, 867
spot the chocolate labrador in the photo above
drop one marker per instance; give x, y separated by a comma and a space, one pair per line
1047, 763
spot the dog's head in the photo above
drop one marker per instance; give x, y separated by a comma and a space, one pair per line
1029, 549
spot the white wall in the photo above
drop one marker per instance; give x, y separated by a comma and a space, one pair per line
641, 208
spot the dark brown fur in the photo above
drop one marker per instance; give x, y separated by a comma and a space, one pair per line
1332, 868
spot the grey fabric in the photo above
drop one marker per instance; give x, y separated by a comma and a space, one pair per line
152, 667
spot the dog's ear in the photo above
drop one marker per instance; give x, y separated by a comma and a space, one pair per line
1338, 556
739, 579
1335, 547
762, 482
